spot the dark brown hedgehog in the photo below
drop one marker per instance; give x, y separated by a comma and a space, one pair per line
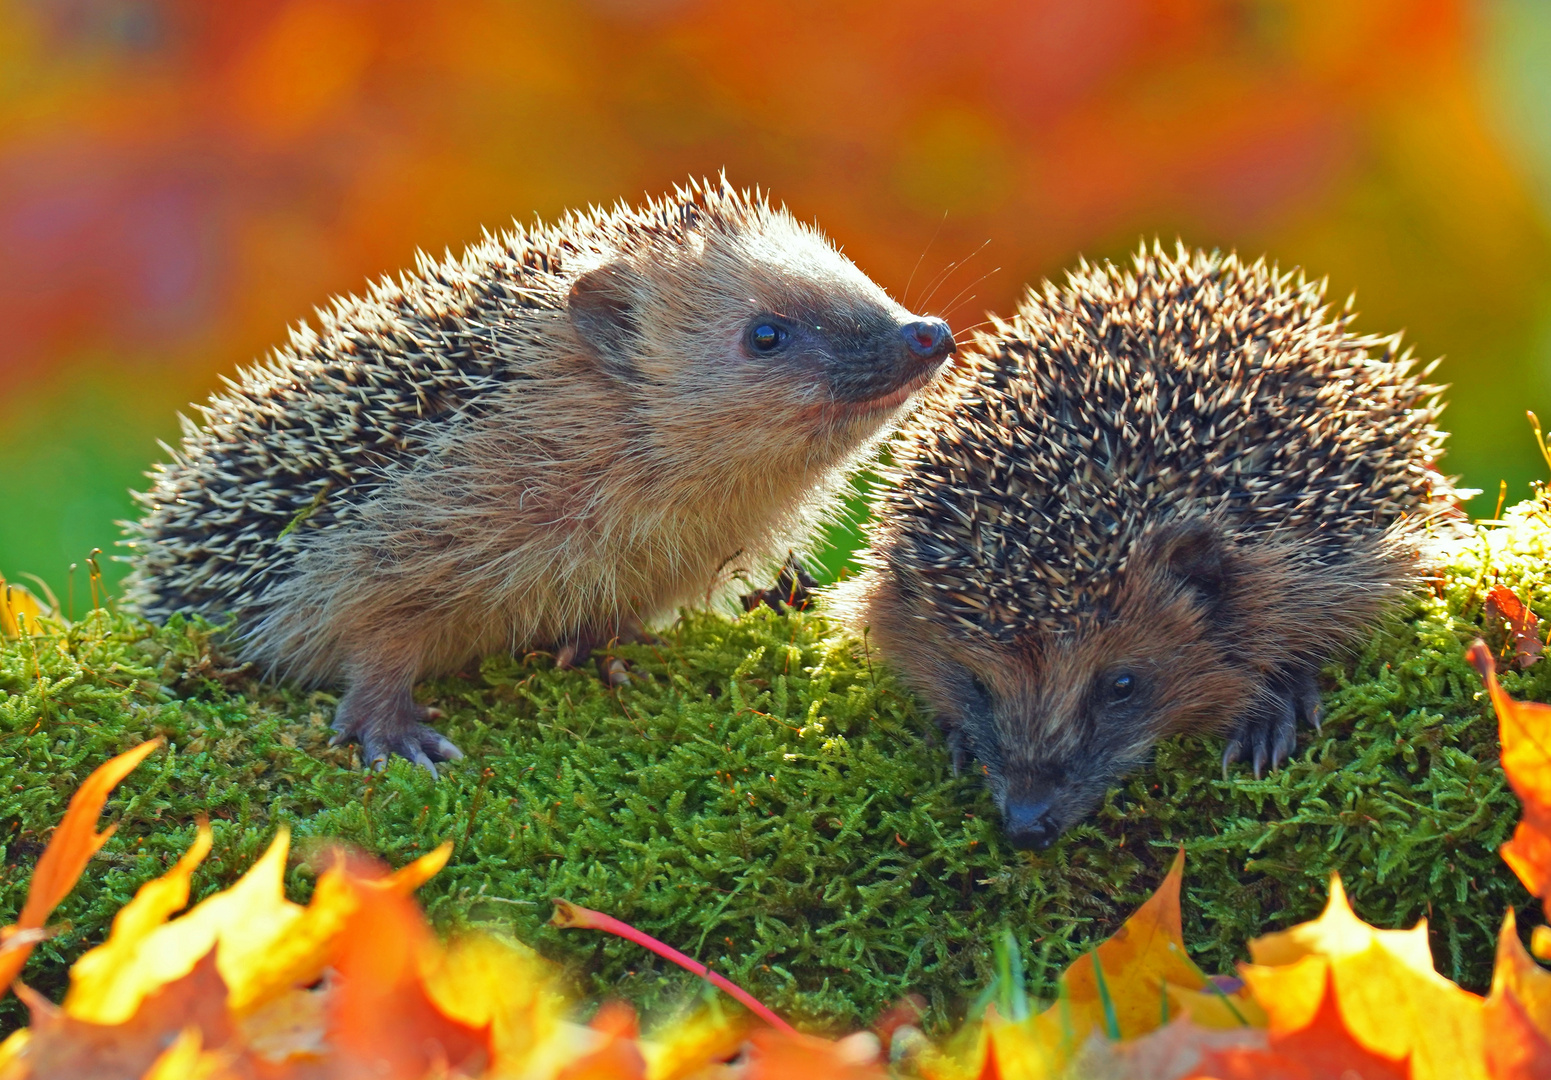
1155, 501
567, 431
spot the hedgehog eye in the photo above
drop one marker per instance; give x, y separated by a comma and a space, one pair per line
1122, 686
767, 336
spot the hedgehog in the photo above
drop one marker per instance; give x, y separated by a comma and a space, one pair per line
542, 445
1157, 500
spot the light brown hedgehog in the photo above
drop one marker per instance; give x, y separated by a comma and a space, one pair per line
1157, 500
566, 431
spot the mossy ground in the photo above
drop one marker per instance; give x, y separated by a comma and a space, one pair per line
768, 799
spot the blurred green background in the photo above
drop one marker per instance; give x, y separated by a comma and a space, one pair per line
181, 179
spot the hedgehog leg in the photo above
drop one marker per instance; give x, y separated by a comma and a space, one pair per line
1268, 732
381, 714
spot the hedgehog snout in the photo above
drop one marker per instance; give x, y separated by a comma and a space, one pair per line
928, 339
1029, 824
881, 362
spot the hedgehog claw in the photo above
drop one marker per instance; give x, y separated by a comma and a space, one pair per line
616, 672
1231, 753
1269, 731
574, 653
387, 722
423, 745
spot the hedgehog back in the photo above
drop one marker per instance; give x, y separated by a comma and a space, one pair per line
295, 445
1185, 386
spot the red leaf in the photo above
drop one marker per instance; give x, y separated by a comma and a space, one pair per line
1503, 604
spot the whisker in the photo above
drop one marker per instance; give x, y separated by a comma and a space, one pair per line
942, 279
935, 233
966, 331
953, 304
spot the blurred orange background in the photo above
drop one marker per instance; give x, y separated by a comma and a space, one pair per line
181, 179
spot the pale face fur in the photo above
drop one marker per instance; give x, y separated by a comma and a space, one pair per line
697, 381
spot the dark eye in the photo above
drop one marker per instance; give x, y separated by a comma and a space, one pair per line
1122, 686
767, 336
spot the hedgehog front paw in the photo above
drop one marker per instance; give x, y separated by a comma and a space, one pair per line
1268, 732
420, 743
388, 725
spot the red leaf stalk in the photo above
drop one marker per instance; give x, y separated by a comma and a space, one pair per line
569, 916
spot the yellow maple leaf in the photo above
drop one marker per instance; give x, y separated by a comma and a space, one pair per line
682, 1049
265, 944
186, 1059
1218, 1009
1128, 986
17, 607
1119, 988
1389, 996
11, 1051
481, 982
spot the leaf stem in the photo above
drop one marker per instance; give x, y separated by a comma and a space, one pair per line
569, 916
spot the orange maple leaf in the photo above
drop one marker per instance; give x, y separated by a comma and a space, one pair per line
790, 1055
73, 844
1121, 987
1517, 1016
617, 1055
1128, 986
383, 1020
1524, 729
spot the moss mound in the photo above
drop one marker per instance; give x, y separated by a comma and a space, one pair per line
766, 798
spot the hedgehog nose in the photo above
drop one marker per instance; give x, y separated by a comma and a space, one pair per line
928, 339
1030, 825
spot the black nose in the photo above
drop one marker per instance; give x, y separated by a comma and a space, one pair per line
1029, 824
928, 339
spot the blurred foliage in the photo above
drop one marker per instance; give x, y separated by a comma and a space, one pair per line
179, 179
767, 799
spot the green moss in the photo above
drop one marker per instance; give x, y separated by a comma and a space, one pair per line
767, 799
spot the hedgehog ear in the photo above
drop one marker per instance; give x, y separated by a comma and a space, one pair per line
602, 310
1195, 553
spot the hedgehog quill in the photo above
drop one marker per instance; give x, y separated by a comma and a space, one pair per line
539, 445
1157, 500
